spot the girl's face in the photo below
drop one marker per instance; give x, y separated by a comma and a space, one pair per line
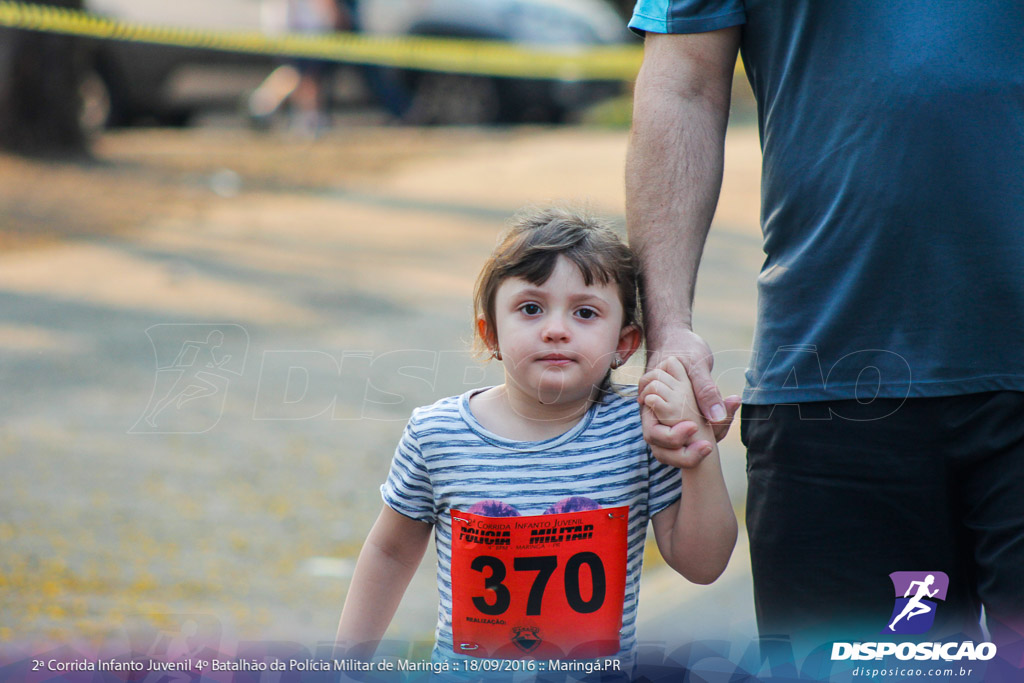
558, 340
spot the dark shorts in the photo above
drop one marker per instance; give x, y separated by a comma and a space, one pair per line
841, 494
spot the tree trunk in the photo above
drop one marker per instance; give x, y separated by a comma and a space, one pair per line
40, 75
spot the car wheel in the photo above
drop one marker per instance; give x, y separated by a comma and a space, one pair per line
453, 100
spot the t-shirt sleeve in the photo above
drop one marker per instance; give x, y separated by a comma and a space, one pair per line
664, 485
686, 16
408, 489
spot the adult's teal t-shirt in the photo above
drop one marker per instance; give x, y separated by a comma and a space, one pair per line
892, 190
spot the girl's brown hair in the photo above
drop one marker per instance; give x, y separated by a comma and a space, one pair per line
530, 248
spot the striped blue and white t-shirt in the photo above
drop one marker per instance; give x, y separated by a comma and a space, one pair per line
447, 460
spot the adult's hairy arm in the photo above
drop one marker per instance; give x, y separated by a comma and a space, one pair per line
673, 179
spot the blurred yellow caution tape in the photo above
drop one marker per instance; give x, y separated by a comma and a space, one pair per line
483, 57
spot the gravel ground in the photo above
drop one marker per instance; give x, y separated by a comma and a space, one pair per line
334, 278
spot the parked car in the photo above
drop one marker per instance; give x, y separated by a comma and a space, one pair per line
431, 97
129, 82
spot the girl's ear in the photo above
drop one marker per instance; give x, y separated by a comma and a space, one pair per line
486, 334
629, 341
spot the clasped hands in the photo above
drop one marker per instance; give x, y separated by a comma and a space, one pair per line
682, 411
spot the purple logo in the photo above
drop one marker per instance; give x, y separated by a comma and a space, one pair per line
917, 594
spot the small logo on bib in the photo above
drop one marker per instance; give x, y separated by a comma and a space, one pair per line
526, 638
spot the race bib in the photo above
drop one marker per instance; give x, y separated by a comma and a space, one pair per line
545, 586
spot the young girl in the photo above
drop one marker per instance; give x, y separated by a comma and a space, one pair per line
539, 490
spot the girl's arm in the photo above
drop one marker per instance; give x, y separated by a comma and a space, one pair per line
696, 534
389, 558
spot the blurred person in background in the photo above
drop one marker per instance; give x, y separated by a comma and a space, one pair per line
304, 82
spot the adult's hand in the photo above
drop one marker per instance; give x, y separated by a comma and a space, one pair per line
694, 354
677, 445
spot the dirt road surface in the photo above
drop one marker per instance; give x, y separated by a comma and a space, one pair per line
209, 344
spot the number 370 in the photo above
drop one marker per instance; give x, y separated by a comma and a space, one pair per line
544, 566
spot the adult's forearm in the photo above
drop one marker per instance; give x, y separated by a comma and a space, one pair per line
674, 168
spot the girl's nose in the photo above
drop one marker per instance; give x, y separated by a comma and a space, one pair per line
555, 329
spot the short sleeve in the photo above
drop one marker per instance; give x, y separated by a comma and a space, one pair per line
408, 489
664, 485
686, 16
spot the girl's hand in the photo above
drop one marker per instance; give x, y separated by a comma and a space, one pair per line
673, 426
666, 390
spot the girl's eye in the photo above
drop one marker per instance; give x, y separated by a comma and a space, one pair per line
530, 309
587, 313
